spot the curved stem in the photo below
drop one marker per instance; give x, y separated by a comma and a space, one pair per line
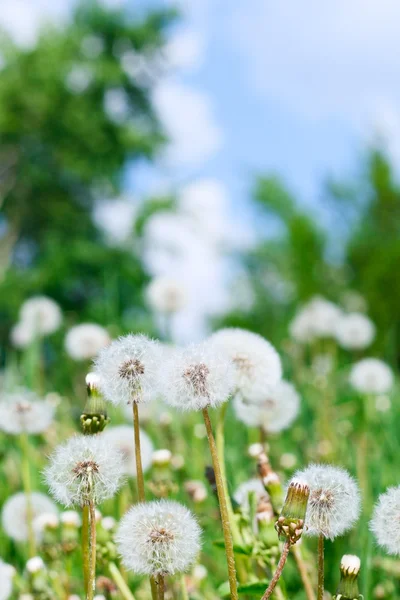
138, 455
278, 572
320, 567
85, 546
92, 556
305, 578
223, 508
26, 480
120, 582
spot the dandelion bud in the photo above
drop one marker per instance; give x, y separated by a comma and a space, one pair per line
254, 450
196, 490
348, 587
161, 458
35, 564
94, 417
290, 524
271, 481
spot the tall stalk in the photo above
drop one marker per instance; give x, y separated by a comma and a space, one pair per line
120, 582
282, 561
26, 480
92, 555
85, 546
161, 586
305, 578
223, 508
321, 565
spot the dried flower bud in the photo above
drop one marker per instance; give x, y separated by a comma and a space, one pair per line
348, 586
290, 524
271, 481
94, 417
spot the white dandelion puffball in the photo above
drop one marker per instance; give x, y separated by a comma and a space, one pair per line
371, 376
317, 319
85, 341
22, 334
158, 537
129, 369
83, 469
44, 521
23, 411
334, 501
275, 413
241, 495
7, 573
14, 516
197, 377
385, 522
42, 313
257, 364
350, 564
355, 331
120, 437
166, 294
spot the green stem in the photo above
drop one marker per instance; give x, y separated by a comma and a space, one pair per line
138, 455
320, 594
92, 556
302, 568
184, 592
120, 582
278, 572
85, 546
161, 586
154, 588
26, 479
223, 508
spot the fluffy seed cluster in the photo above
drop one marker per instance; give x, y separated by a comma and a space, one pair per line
241, 495
23, 411
14, 515
385, 522
197, 377
350, 564
129, 369
120, 437
42, 313
85, 341
317, 319
158, 537
7, 573
355, 331
84, 469
334, 501
257, 364
371, 376
166, 295
275, 413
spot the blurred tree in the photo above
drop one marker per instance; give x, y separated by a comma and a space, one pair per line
73, 111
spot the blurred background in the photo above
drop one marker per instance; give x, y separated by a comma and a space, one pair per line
241, 156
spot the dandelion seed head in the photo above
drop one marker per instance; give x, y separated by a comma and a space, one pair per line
7, 573
371, 376
43, 522
197, 377
70, 518
84, 468
257, 364
129, 369
355, 331
14, 514
42, 313
35, 564
166, 295
23, 411
317, 319
334, 501
385, 522
85, 341
241, 495
275, 413
350, 564
158, 537
22, 334
120, 437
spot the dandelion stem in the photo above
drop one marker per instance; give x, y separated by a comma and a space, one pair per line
223, 508
184, 592
26, 479
154, 588
92, 558
161, 586
320, 566
138, 455
278, 572
303, 572
85, 546
120, 582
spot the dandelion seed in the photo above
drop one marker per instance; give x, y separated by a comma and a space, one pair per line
355, 331
158, 538
198, 377
274, 413
385, 522
129, 369
371, 376
334, 502
85, 341
166, 295
24, 412
42, 313
15, 513
84, 469
257, 364
120, 437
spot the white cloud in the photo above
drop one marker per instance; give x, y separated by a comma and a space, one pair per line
321, 59
189, 120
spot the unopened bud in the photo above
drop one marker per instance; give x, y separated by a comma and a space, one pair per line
161, 458
290, 523
94, 417
271, 481
348, 586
